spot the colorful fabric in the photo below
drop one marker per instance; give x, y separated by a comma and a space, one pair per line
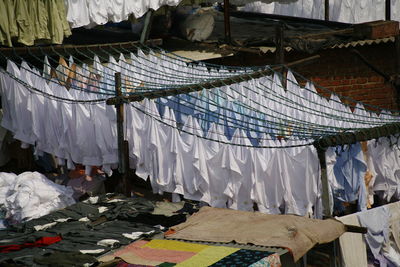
208, 256
153, 254
166, 253
243, 257
135, 259
272, 260
176, 245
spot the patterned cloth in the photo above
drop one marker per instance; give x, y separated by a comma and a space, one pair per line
166, 253
243, 257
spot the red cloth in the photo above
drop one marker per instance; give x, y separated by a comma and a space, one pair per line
41, 242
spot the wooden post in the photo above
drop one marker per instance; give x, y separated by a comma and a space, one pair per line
279, 52
122, 144
227, 22
326, 10
387, 9
397, 74
147, 26
326, 202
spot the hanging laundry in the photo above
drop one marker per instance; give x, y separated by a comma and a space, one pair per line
31, 22
230, 146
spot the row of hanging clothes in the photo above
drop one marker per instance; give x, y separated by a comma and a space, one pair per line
225, 162
347, 11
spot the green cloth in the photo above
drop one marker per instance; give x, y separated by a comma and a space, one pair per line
30, 21
65, 259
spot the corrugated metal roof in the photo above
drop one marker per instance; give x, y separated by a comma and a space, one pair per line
363, 42
271, 49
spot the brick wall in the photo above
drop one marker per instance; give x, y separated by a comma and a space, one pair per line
341, 71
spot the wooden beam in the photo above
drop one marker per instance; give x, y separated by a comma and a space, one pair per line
387, 9
367, 134
356, 229
397, 74
326, 202
280, 49
147, 26
326, 10
123, 159
207, 85
227, 22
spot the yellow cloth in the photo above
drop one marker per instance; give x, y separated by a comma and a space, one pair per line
5, 37
208, 256
175, 245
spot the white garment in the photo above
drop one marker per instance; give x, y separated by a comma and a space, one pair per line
352, 246
90, 13
6, 181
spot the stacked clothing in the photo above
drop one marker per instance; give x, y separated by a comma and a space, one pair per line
31, 195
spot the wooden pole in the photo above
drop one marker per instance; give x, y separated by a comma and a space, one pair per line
326, 10
280, 49
147, 26
123, 163
387, 9
326, 202
227, 22
397, 74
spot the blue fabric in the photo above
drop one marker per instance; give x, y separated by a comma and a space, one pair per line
377, 222
349, 170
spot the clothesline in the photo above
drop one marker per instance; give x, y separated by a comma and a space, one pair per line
257, 118
285, 120
230, 146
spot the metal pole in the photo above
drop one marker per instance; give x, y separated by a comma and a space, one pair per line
227, 22
387, 9
326, 10
122, 153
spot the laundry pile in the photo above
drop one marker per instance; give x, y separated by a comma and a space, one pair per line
83, 230
31, 195
231, 146
98, 12
348, 11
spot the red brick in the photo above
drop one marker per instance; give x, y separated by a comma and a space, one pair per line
361, 80
375, 79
